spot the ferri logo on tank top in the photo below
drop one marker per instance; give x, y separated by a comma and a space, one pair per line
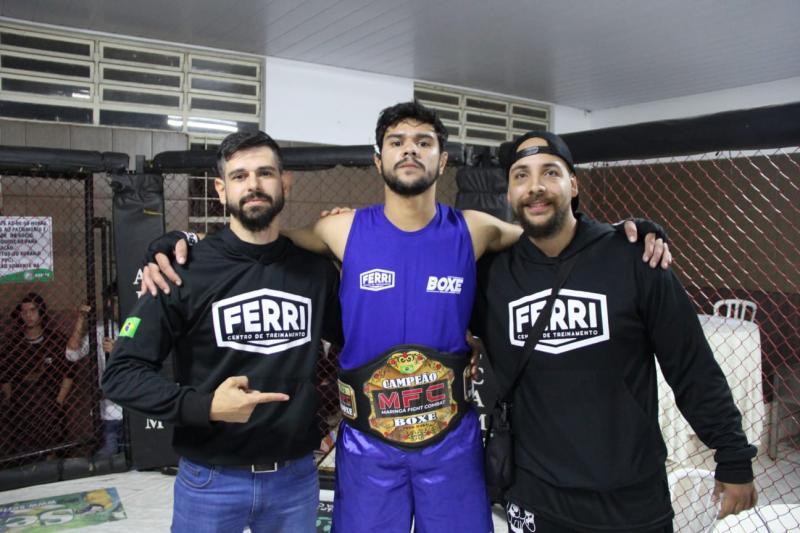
263, 321
376, 279
578, 319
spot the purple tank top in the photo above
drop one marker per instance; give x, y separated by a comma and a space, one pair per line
405, 287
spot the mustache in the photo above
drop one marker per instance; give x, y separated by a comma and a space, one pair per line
407, 160
530, 200
256, 196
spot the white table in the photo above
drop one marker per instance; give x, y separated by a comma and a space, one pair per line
737, 348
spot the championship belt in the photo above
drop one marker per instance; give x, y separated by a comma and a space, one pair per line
410, 396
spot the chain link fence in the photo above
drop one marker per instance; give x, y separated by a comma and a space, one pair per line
732, 219
51, 400
733, 224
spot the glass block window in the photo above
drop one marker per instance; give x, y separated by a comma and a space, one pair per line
481, 119
49, 75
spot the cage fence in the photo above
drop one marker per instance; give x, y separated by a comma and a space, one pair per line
732, 219
733, 224
51, 402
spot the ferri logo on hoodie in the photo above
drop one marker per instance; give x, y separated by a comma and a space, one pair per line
263, 321
578, 319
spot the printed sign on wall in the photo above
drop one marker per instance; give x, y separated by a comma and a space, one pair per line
26, 249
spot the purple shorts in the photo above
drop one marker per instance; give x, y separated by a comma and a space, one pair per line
381, 488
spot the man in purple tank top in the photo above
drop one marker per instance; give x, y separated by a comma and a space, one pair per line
409, 447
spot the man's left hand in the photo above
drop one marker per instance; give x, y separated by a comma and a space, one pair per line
655, 249
736, 497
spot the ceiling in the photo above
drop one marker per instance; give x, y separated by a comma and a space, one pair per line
588, 54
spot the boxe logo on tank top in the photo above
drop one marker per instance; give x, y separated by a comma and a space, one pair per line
263, 321
578, 319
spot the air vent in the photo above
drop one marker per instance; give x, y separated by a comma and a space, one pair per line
230, 106
527, 125
141, 57
142, 77
162, 99
48, 44
489, 120
46, 66
46, 88
223, 86
533, 112
486, 135
485, 105
225, 67
436, 97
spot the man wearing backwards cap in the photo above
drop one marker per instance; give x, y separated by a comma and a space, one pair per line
588, 449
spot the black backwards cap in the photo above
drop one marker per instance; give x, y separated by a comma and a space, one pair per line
510, 153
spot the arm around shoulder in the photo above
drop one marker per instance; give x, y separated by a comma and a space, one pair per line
490, 234
327, 236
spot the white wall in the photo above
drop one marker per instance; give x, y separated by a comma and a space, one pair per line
763, 94
318, 104
314, 103
568, 119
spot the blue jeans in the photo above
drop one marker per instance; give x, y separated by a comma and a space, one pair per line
219, 499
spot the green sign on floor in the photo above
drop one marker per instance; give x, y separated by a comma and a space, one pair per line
59, 513
324, 517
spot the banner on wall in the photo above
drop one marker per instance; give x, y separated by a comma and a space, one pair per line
26, 249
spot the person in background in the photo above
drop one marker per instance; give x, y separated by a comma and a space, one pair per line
36, 379
106, 332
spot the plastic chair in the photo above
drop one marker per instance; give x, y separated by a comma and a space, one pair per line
735, 308
691, 490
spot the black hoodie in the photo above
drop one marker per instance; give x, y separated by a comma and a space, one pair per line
243, 309
588, 447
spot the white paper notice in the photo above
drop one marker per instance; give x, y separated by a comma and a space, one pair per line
26, 249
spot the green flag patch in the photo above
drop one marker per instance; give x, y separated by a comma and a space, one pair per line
130, 326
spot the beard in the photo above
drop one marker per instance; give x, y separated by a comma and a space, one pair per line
256, 218
549, 227
414, 188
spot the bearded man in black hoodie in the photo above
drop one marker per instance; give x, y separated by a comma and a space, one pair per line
589, 453
248, 318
